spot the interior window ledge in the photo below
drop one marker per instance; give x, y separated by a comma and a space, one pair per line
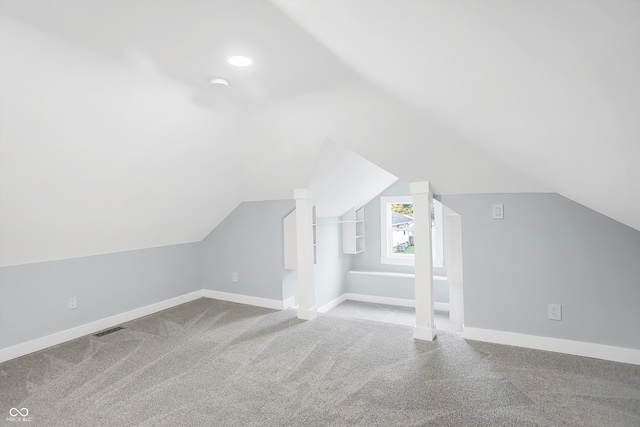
392, 274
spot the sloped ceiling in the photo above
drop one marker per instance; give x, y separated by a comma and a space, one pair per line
111, 138
343, 180
550, 88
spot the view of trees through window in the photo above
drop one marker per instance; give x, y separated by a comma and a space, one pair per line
402, 208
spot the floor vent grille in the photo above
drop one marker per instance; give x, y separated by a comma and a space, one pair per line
108, 331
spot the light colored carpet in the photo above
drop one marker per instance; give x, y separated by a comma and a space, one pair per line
389, 314
212, 363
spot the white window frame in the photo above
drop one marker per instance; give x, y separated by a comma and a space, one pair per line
437, 235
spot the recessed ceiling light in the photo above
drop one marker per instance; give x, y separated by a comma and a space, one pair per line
240, 61
219, 81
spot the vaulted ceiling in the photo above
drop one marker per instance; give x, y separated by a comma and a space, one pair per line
112, 139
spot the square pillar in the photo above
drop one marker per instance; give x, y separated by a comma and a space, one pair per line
305, 254
422, 201
453, 257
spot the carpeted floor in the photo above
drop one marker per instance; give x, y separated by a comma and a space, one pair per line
389, 314
212, 363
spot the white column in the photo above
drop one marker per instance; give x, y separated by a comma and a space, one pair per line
422, 200
453, 258
304, 253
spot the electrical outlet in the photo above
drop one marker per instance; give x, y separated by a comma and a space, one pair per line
555, 312
234, 277
73, 303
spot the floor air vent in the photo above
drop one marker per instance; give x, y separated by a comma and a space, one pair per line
108, 331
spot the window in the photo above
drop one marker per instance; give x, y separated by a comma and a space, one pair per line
396, 215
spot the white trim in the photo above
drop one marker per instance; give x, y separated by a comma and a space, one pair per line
244, 299
289, 302
310, 314
56, 338
384, 273
426, 334
397, 260
577, 348
391, 274
401, 302
381, 300
331, 304
441, 306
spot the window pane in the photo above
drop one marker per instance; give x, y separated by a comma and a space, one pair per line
401, 232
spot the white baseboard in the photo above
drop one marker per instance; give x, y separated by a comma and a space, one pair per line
577, 348
246, 299
439, 306
598, 351
289, 302
381, 300
331, 304
93, 327
109, 322
425, 334
307, 314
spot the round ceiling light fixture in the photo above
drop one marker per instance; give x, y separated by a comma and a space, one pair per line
240, 61
219, 82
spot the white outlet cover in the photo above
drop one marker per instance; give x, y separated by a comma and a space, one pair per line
555, 312
73, 303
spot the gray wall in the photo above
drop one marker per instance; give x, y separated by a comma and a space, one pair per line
249, 242
548, 249
393, 287
381, 286
34, 297
332, 263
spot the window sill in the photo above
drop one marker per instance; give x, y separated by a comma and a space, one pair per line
397, 260
406, 261
390, 274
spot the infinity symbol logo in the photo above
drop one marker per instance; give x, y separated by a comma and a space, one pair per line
14, 412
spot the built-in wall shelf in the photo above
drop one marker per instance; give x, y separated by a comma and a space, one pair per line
353, 231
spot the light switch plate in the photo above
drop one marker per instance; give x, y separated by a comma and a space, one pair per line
498, 211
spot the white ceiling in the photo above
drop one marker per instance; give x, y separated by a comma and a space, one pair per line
550, 88
343, 180
111, 139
